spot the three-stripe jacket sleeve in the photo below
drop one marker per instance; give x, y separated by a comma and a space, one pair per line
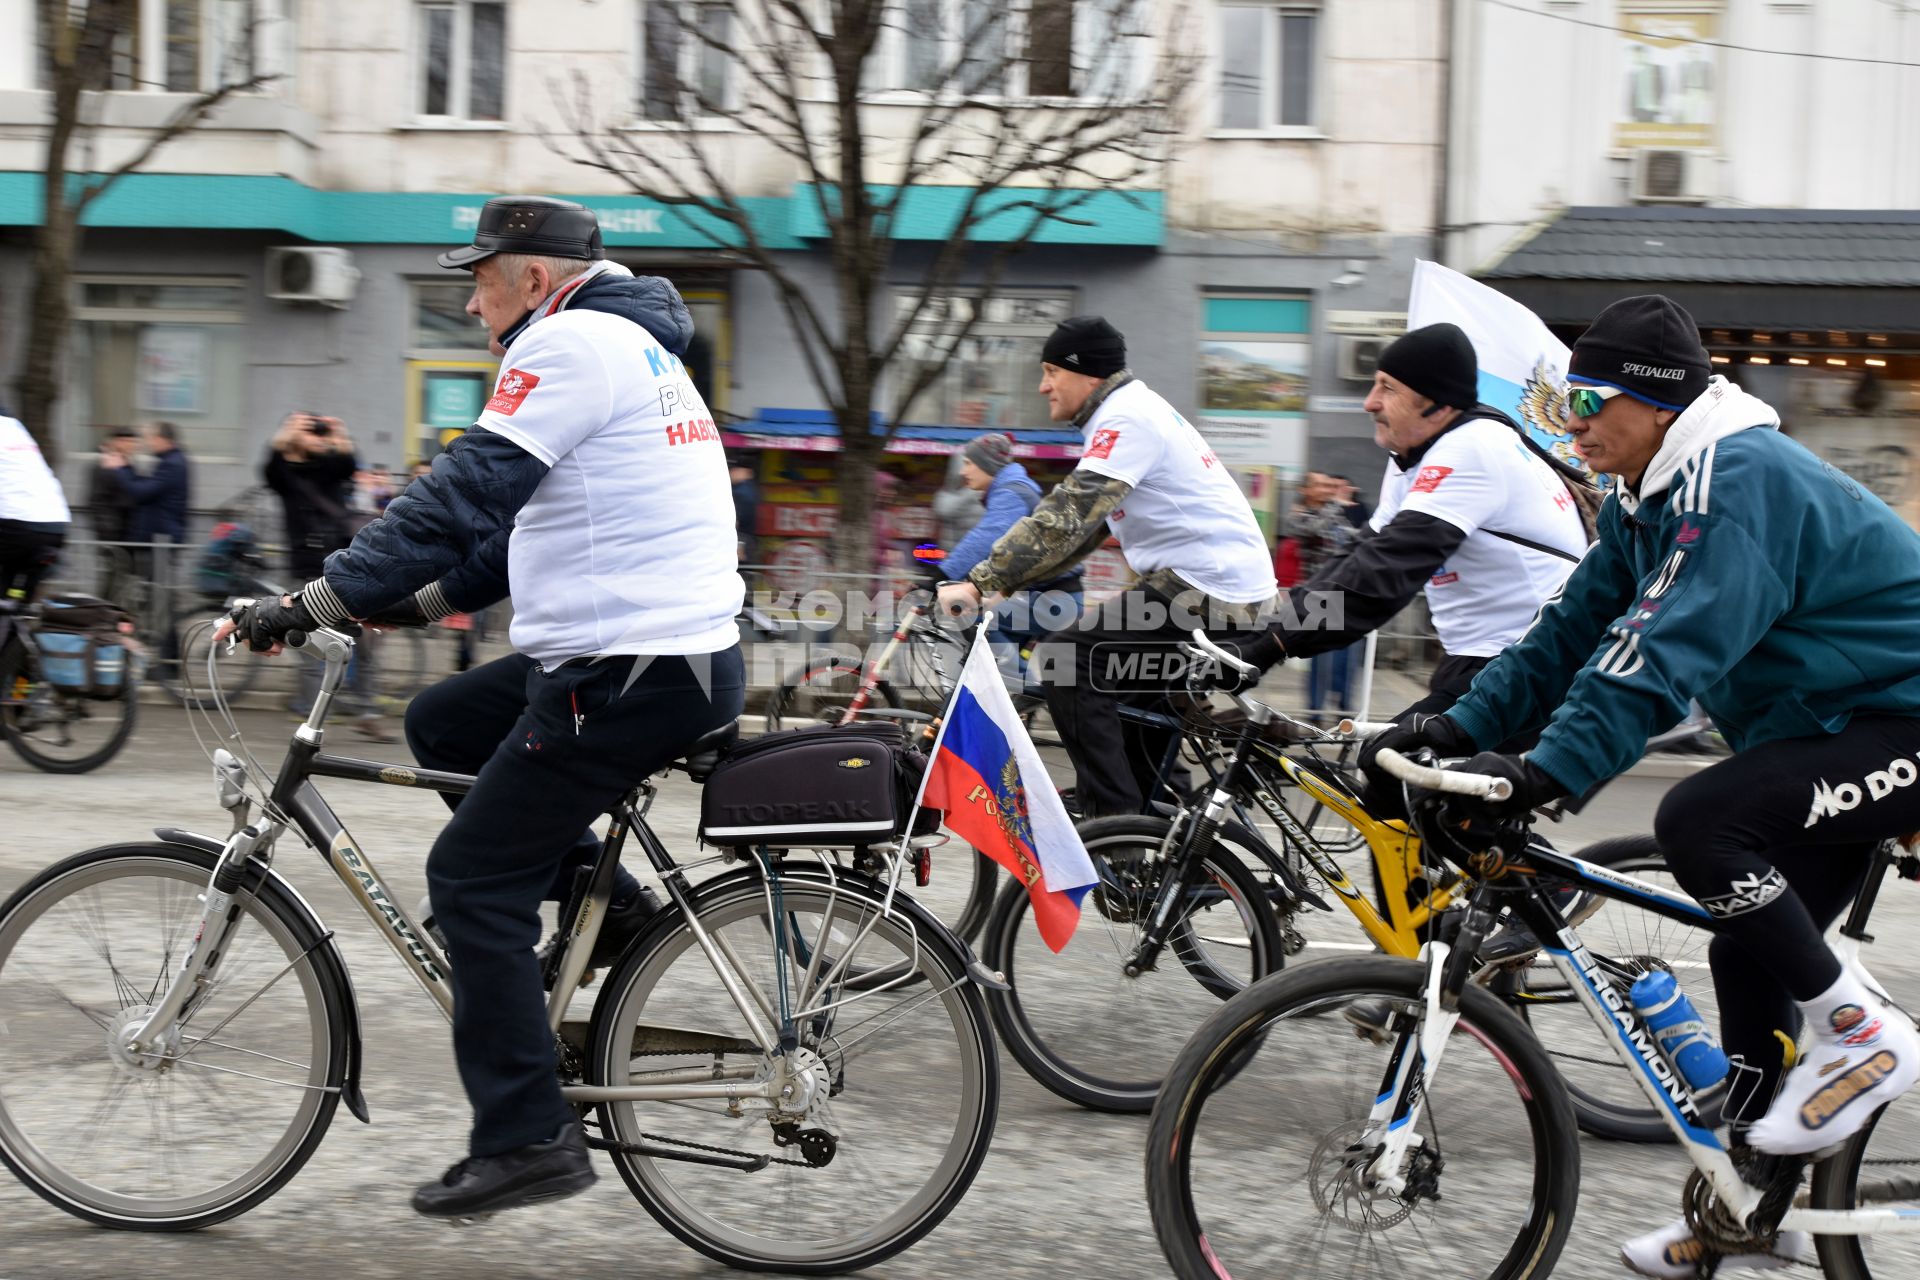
1620, 654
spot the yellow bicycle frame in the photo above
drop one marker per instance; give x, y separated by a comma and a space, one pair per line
1396, 861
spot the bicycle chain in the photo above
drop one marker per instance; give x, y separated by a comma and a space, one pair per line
702, 1146
725, 1151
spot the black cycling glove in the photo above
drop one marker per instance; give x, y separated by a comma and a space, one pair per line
1425, 729
265, 623
1532, 785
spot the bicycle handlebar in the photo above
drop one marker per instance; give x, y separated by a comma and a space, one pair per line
1200, 641
1363, 728
1480, 785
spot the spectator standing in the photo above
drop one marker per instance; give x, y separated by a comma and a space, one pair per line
159, 514
1320, 529
1346, 494
110, 510
746, 510
311, 466
956, 508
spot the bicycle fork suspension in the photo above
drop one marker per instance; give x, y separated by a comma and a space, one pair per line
1393, 1124
1175, 881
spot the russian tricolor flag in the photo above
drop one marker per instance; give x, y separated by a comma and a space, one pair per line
987, 776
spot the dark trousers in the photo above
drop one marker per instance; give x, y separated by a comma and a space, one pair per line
1125, 650
27, 551
1775, 841
581, 736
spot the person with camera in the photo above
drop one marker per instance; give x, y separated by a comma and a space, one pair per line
311, 465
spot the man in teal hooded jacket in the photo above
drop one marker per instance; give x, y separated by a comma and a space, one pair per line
1734, 567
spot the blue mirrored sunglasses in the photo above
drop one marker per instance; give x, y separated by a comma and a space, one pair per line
1585, 402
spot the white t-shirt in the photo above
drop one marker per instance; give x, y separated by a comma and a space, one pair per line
1185, 512
627, 546
1480, 478
28, 488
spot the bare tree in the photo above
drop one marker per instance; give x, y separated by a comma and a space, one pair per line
90, 47
1016, 115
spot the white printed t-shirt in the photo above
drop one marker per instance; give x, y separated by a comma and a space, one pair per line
1185, 512
627, 545
1481, 478
29, 490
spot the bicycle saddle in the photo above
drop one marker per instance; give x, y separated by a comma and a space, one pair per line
708, 751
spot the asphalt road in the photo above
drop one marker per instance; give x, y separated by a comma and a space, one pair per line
1060, 1197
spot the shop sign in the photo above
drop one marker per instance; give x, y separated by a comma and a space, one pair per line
1253, 441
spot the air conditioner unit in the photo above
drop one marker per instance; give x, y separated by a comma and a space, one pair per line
312, 274
1360, 355
1671, 176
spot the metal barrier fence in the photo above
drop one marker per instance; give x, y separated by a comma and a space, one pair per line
850, 615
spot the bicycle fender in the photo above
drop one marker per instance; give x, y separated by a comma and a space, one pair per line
349, 1087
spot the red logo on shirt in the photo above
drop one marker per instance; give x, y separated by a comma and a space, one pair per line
513, 388
1429, 478
1101, 445
1444, 578
1688, 532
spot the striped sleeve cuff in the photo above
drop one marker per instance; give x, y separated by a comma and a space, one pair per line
431, 601
326, 607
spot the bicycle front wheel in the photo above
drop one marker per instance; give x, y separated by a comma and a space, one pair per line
895, 1088
232, 1100
1260, 1152
1075, 1020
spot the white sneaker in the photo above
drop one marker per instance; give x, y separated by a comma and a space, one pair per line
1672, 1253
1860, 1054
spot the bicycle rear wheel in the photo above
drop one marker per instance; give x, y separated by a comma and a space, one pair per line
900, 1085
1075, 1020
1877, 1168
1627, 942
58, 732
1257, 1154
243, 1088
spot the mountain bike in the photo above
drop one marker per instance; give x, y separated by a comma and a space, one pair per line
181, 1027
1229, 886
1343, 1116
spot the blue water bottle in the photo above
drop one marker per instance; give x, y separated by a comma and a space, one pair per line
1676, 1024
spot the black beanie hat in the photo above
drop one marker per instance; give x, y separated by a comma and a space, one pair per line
1439, 362
1647, 346
1086, 344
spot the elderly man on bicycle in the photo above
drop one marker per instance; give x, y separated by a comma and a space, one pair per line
1735, 567
595, 484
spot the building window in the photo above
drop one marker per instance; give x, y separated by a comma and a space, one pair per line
683, 60
1085, 49
463, 60
1267, 66
440, 320
166, 348
180, 46
989, 383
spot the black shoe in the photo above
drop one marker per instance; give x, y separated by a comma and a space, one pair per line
622, 925
482, 1185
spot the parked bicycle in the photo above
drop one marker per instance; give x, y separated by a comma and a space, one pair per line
68, 668
1335, 1082
791, 1067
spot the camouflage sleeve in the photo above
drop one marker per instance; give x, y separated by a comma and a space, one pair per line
1064, 529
